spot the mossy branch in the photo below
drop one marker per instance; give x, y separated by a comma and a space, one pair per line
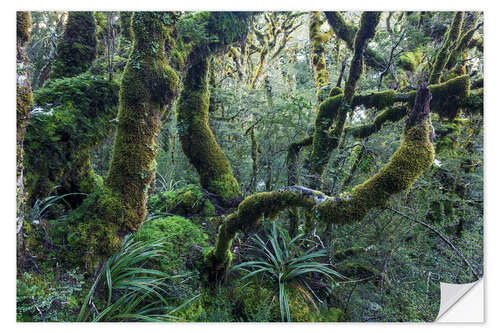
347, 33
333, 111
444, 52
148, 85
448, 99
24, 100
318, 41
414, 155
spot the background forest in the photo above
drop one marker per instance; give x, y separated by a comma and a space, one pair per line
247, 166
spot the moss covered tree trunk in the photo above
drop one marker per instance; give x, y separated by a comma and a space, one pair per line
148, 85
198, 141
24, 100
318, 41
77, 48
75, 52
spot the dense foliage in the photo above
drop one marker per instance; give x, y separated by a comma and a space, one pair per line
165, 152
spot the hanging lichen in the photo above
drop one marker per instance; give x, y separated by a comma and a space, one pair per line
77, 47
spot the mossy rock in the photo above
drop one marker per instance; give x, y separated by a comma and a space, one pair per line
183, 242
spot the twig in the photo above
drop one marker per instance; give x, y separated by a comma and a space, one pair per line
440, 236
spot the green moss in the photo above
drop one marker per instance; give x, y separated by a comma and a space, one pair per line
335, 91
58, 141
148, 85
259, 302
188, 201
24, 100
410, 61
197, 139
91, 232
23, 27
77, 47
361, 131
318, 40
321, 145
377, 100
447, 97
368, 25
249, 215
343, 30
445, 50
375, 60
347, 33
181, 239
414, 155
211, 32
119, 206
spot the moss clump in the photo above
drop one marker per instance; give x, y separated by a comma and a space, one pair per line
197, 139
77, 48
182, 240
24, 100
148, 85
443, 55
188, 201
377, 100
447, 97
258, 302
409, 61
392, 114
75, 119
335, 91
